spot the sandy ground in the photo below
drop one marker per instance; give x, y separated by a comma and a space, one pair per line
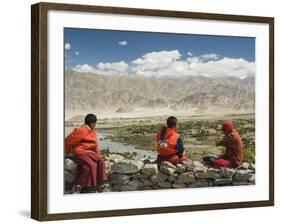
144, 112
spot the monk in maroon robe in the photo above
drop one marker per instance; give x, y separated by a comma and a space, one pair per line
91, 170
233, 155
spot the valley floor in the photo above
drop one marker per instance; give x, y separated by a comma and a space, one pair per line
136, 135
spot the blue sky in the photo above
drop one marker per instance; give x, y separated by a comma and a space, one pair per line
91, 47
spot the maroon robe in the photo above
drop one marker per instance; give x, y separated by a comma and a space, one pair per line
91, 170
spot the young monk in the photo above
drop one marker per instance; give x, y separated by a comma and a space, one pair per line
91, 170
169, 144
233, 155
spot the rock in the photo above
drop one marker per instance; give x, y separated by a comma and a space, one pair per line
115, 157
252, 179
136, 183
189, 168
108, 165
127, 166
239, 182
252, 166
187, 177
127, 188
161, 176
150, 169
70, 166
168, 164
199, 167
223, 181
188, 164
117, 178
197, 164
154, 179
148, 188
192, 185
164, 184
172, 178
202, 183
146, 181
244, 166
148, 161
213, 173
211, 183
242, 175
136, 176
68, 176
133, 185
226, 172
116, 187
180, 168
178, 185
167, 168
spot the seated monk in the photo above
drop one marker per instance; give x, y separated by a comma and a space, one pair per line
169, 144
233, 155
91, 170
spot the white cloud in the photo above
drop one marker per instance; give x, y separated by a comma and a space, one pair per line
123, 43
155, 61
67, 46
169, 63
115, 68
211, 56
120, 66
77, 53
83, 68
189, 54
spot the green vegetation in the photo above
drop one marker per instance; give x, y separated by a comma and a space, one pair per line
199, 134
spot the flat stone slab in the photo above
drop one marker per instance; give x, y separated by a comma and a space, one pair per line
187, 177
118, 178
242, 175
150, 169
227, 172
223, 181
127, 166
164, 184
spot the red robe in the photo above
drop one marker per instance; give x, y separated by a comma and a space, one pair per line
91, 166
234, 148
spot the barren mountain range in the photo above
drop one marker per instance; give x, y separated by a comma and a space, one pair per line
125, 93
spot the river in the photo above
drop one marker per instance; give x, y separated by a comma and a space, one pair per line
118, 147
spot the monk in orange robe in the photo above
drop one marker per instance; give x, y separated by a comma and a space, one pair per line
91, 170
169, 145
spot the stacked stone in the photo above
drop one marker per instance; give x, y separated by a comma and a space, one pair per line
131, 174
70, 169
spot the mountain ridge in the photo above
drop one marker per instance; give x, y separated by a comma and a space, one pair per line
124, 93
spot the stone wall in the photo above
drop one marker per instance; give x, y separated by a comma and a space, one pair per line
143, 174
